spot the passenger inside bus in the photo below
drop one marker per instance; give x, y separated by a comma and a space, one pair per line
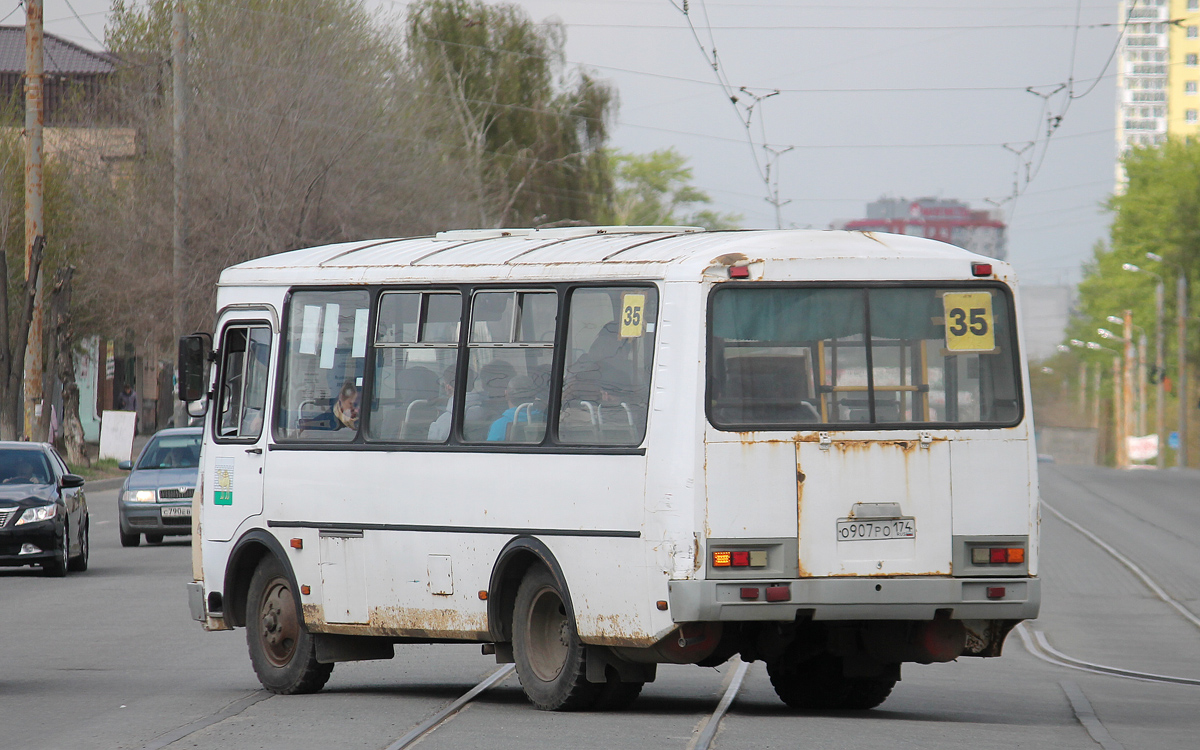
439, 429
600, 400
517, 422
343, 415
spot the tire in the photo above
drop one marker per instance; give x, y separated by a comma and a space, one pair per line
154, 538
819, 684
616, 695
130, 539
57, 567
551, 660
282, 651
79, 563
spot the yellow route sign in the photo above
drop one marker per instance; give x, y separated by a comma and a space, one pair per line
969, 323
633, 308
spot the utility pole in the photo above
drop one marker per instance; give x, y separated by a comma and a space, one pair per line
1159, 373
1127, 424
1181, 309
179, 50
34, 227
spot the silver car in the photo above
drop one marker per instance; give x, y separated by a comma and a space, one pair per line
156, 499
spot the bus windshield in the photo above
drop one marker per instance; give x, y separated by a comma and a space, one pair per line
783, 357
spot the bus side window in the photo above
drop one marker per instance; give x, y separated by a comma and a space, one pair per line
246, 356
324, 355
416, 358
610, 348
511, 350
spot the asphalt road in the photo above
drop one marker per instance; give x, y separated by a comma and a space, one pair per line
109, 658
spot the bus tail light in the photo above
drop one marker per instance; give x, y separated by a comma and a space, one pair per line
981, 269
778, 593
739, 558
997, 555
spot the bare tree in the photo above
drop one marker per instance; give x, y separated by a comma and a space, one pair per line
304, 129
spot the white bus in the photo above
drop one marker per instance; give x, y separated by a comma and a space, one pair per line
594, 450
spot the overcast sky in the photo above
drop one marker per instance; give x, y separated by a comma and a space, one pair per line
877, 97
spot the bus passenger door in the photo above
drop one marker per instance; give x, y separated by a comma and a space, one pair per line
233, 462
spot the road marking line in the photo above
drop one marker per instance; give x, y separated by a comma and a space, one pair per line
233, 709
432, 722
1130, 564
1037, 645
1087, 717
714, 723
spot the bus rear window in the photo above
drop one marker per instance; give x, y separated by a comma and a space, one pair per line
782, 357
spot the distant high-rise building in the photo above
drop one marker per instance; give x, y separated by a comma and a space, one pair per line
1158, 73
950, 221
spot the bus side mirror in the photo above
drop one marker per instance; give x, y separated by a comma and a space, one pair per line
195, 352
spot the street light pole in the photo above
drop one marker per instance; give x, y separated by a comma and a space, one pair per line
1118, 427
1181, 455
1181, 344
1127, 386
1160, 369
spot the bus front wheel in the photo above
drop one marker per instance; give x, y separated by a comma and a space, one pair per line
551, 660
281, 649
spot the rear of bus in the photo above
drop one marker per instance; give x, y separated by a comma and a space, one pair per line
871, 496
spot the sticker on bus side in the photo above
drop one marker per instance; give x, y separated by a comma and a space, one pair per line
223, 484
633, 322
969, 323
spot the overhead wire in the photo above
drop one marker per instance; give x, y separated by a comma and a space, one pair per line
20, 4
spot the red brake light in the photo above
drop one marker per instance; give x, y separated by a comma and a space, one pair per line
981, 269
741, 558
778, 593
999, 555
739, 272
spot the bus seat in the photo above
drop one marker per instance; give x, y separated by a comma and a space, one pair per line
417, 418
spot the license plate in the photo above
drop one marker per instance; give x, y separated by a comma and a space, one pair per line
854, 530
172, 511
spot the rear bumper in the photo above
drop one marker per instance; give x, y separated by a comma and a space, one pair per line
914, 598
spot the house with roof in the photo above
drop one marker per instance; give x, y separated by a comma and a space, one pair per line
80, 120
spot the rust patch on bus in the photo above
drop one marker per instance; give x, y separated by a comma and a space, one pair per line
800, 477
404, 621
728, 259
612, 630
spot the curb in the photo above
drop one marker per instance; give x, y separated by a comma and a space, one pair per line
110, 483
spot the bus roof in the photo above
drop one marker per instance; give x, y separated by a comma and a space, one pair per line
671, 253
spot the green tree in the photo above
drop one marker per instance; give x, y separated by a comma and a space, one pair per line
1158, 212
534, 131
656, 189
16, 301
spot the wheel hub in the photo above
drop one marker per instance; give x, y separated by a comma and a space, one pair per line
279, 627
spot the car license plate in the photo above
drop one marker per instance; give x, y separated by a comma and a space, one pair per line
855, 530
176, 511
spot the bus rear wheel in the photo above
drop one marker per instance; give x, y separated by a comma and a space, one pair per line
551, 660
819, 683
282, 651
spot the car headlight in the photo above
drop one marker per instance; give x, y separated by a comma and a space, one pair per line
40, 513
139, 496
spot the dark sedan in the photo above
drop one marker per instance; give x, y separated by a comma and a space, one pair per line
43, 511
156, 499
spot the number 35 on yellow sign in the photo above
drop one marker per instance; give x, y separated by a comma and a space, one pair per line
969, 322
